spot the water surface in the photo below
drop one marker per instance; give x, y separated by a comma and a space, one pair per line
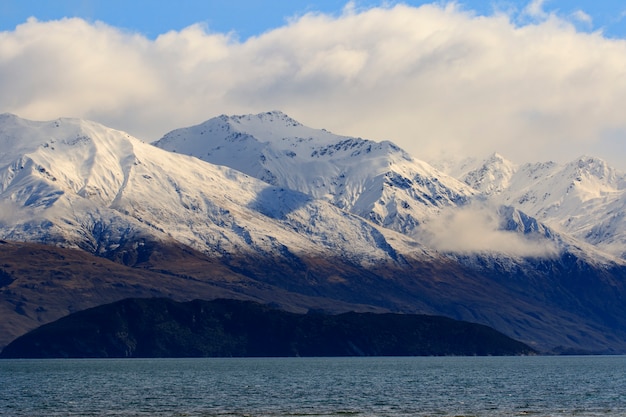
418, 386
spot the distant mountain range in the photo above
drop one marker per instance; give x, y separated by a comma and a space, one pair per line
260, 207
584, 198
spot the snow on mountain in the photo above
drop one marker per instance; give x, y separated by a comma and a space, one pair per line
377, 181
584, 198
314, 225
492, 177
75, 182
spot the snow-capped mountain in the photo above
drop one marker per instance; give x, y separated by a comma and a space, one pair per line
493, 176
377, 181
79, 183
299, 216
585, 198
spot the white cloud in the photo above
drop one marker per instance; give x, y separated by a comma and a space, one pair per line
535, 9
477, 228
583, 17
429, 78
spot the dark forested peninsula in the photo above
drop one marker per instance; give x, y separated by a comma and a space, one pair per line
161, 327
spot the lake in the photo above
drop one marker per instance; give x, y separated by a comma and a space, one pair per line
374, 386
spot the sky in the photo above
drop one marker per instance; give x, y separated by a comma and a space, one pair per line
532, 80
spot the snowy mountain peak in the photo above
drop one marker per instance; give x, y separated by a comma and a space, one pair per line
585, 198
59, 132
44, 162
4, 117
497, 158
13, 143
375, 180
321, 219
596, 170
81, 184
492, 176
273, 127
274, 117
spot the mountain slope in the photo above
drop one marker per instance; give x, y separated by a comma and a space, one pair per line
77, 184
377, 181
42, 283
493, 176
584, 198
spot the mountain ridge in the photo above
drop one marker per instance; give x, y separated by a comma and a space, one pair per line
130, 173
80, 185
584, 198
394, 190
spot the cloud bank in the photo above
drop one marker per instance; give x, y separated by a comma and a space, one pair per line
432, 79
479, 228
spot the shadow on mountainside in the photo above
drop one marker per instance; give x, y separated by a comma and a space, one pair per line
277, 203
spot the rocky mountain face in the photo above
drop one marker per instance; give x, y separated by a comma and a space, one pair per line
260, 207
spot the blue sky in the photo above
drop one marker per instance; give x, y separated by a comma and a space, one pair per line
251, 17
534, 80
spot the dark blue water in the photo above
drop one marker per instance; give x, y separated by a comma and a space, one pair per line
452, 386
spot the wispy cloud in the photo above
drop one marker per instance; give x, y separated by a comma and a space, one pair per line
430, 78
581, 16
536, 10
478, 228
